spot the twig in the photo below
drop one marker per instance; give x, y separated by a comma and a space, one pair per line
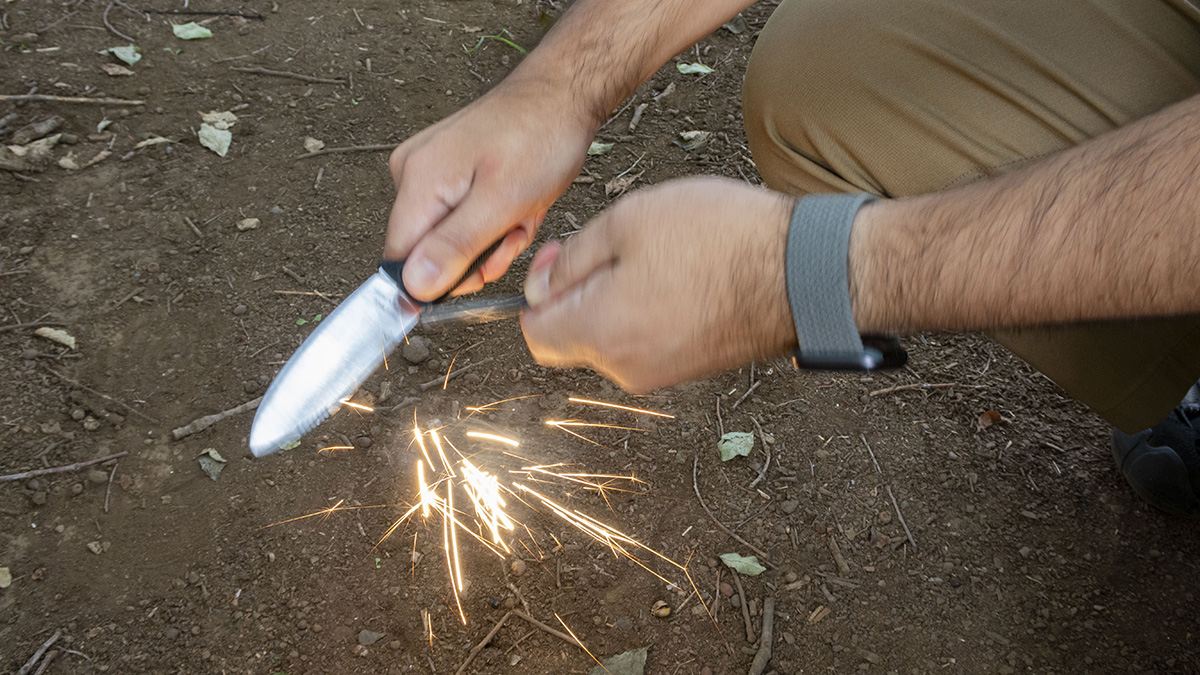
69, 99
906, 387
838, 558
194, 12
426, 386
726, 530
748, 392
45, 663
110, 26
720, 424
348, 148
716, 603
284, 73
208, 420
763, 657
62, 469
30, 324
410, 400
192, 225
66, 16
28, 667
873, 460
482, 643
108, 490
106, 397
745, 604
762, 436
548, 629
520, 597
317, 183
901, 517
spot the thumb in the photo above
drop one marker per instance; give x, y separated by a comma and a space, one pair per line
439, 259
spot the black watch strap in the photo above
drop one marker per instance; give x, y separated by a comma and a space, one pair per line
818, 248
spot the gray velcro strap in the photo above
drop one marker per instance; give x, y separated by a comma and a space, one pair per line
818, 248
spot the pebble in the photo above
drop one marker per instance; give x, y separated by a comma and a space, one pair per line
736, 601
38, 498
367, 638
790, 577
25, 250
77, 489
171, 633
624, 623
416, 350
239, 310
78, 414
363, 441
789, 507
276, 209
29, 354
34, 484
97, 476
726, 590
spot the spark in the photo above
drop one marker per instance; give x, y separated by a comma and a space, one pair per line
641, 411
580, 642
324, 512
450, 369
347, 402
483, 435
331, 448
487, 407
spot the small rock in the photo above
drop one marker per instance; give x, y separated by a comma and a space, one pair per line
247, 224
25, 250
518, 567
790, 577
736, 601
415, 350
1024, 551
78, 414
91, 424
77, 489
195, 630
884, 517
97, 476
34, 484
624, 624
250, 386
193, 577
171, 633
38, 498
29, 355
472, 378
363, 442
789, 507
276, 209
726, 590
239, 310
367, 638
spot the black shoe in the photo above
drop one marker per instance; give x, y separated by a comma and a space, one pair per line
1162, 463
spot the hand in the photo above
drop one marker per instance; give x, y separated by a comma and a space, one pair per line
669, 284
489, 171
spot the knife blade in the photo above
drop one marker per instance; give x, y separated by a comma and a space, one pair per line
349, 345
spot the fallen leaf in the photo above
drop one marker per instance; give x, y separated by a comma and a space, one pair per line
313, 145
632, 662
95, 547
100, 157
130, 54
37, 150
741, 564
190, 31
693, 68
215, 139
68, 162
62, 337
618, 185
735, 444
693, 140
212, 462
987, 418
597, 148
736, 25
219, 120
5, 577
152, 141
472, 29
248, 224
115, 70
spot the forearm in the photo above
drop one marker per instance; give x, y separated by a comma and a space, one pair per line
1110, 229
601, 50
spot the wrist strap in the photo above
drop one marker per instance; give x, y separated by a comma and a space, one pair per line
818, 249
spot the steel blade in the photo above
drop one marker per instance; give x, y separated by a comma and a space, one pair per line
332, 362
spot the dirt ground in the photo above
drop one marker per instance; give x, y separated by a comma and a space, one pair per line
1009, 546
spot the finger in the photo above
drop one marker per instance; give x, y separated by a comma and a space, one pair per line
444, 253
592, 249
422, 200
567, 330
513, 243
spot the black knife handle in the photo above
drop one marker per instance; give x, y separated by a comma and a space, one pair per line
394, 269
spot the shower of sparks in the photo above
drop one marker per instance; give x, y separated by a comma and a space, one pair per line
617, 406
483, 435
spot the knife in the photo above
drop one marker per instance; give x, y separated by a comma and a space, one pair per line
345, 348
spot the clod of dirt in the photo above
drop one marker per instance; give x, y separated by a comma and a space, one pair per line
363, 442
789, 506
38, 498
97, 476
367, 638
171, 633
518, 567
24, 39
76, 489
248, 224
416, 350
726, 590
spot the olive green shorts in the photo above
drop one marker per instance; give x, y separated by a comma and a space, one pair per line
905, 97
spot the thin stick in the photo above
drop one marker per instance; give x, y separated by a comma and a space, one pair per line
45, 663
410, 400
763, 436
192, 225
30, 324
349, 148
720, 424
47, 27
716, 603
763, 657
838, 558
110, 26
194, 12
873, 460
426, 386
482, 643
207, 421
28, 667
108, 490
548, 629
69, 99
745, 604
906, 387
284, 73
748, 392
901, 517
726, 530
106, 397
62, 469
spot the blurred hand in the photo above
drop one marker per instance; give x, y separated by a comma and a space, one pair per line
669, 284
489, 171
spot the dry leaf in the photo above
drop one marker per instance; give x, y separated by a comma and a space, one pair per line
248, 224
313, 145
116, 71
617, 186
62, 337
987, 418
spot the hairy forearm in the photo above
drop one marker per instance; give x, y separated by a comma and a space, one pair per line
1109, 229
601, 50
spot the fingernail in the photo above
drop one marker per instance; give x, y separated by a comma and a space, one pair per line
420, 275
537, 286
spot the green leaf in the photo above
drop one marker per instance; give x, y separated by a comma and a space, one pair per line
301, 322
290, 446
736, 25
735, 444
318, 318
215, 139
176, 52
632, 662
693, 68
499, 37
211, 462
743, 564
597, 148
130, 54
190, 31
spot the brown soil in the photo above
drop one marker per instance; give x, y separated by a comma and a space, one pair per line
1030, 552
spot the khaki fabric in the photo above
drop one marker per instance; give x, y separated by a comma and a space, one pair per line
905, 97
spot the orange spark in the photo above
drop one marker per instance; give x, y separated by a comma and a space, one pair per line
617, 406
483, 435
331, 448
580, 642
359, 406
